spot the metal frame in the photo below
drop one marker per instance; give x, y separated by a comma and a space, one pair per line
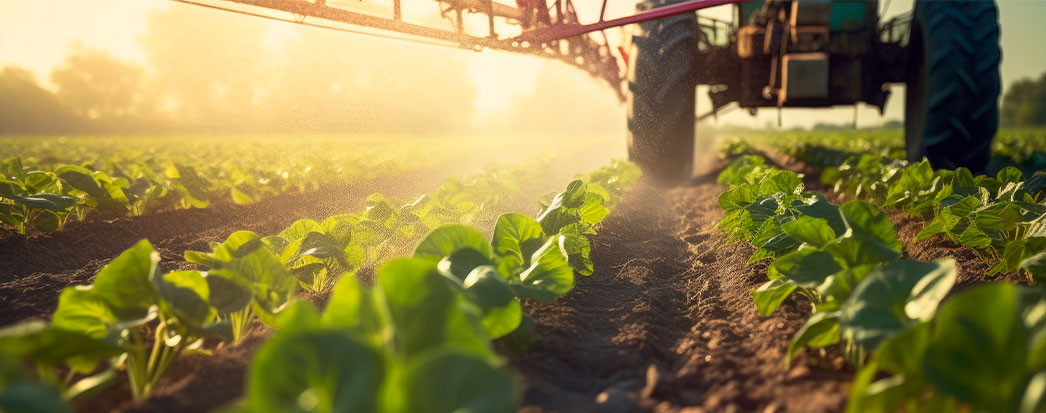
562, 38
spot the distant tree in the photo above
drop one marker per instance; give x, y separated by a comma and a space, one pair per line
27, 108
98, 86
210, 69
1025, 103
893, 124
831, 126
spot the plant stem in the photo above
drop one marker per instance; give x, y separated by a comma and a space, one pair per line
135, 368
157, 345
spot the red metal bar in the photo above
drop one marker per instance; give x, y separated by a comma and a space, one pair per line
349, 17
566, 31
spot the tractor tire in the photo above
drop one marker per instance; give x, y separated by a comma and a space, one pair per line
951, 103
661, 96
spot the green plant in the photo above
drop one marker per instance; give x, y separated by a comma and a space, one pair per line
254, 280
133, 317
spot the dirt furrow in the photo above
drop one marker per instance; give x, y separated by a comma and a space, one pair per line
666, 323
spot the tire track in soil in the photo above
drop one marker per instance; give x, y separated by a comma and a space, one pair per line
666, 323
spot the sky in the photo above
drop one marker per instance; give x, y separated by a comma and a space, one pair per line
38, 34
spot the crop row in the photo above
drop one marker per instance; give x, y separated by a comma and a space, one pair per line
984, 349
53, 180
414, 335
1021, 148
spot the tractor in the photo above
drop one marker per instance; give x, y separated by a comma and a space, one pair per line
816, 53
771, 54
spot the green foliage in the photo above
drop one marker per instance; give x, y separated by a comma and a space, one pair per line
1023, 104
102, 328
45, 181
980, 350
982, 212
417, 340
420, 339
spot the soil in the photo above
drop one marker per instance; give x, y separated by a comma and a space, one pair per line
34, 269
664, 324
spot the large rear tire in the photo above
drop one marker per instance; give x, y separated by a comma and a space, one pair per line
951, 104
661, 96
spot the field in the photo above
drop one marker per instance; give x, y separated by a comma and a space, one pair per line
798, 272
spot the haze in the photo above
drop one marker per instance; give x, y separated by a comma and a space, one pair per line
280, 76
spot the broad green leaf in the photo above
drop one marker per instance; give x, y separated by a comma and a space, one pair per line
186, 295
941, 223
859, 249
306, 273
593, 211
1002, 217
780, 181
80, 178
203, 258
315, 370
862, 217
739, 169
820, 330
355, 307
814, 204
369, 232
893, 298
446, 239
965, 206
424, 312
11, 189
450, 381
50, 202
37, 342
813, 231
769, 295
974, 237
904, 352
31, 397
340, 227
737, 197
494, 296
578, 249
978, 347
511, 231
1018, 250
82, 310
125, 282
317, 244
240, 198
461, 262
299, 229
522, 338
244, 255
806, 267
1036, 264
549, 275
47, 221
1009, 175
299, 315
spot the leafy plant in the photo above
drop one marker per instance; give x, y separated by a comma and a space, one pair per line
419, 341
130, 304
253, 281
983, 351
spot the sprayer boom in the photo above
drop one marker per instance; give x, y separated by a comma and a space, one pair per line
529, 27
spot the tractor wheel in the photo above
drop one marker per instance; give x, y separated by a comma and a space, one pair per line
951, 108
661, 96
